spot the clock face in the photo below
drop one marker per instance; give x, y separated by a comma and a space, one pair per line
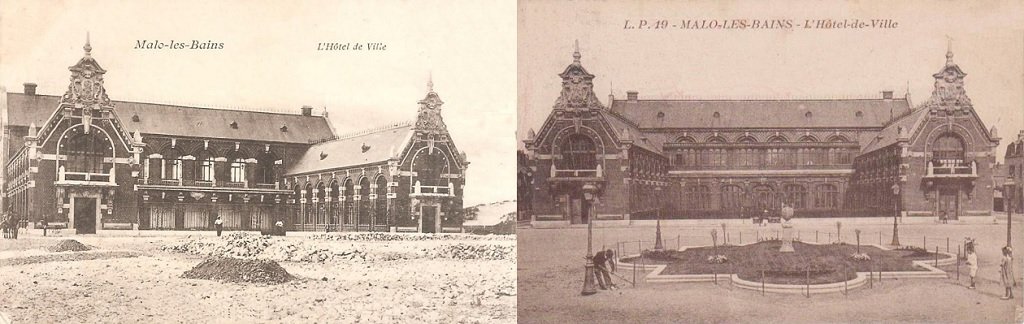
950, 77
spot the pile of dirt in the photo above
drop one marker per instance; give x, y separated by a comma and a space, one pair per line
239, 270
390, 237
463, 251
252, 246
69, 245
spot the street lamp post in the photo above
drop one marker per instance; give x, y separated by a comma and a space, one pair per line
896, 207
1009, 191
657, 240
589, 191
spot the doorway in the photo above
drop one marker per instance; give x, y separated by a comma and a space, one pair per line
85, 215
429, 216
578, 209
949, 203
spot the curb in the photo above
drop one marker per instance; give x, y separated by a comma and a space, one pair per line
655, 276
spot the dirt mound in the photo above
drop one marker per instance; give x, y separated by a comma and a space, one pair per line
69, 245
239, 270
463, 251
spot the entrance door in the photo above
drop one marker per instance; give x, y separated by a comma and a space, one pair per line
429, 214
85, 215
948, 203
579, 209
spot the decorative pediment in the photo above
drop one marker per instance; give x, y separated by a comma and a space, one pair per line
428, 117
949, 95
86, 87
577, 87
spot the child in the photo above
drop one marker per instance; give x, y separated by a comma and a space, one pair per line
972, 261
1006, 271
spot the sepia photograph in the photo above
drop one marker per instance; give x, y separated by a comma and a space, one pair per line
782, 161
257, 162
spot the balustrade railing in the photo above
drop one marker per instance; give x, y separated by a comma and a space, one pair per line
952, 169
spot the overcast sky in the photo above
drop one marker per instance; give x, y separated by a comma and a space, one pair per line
988, 43
269, 61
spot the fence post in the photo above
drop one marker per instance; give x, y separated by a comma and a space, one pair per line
879, 238
679, 242
871, 276
830, 237
958, 264
634, 273
924, 243
714, 271
741, 238
815, 236
807, 281
936, 255
947, 244
846, 281
762, 282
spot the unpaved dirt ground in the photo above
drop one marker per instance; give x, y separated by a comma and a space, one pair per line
551, 266
149, 288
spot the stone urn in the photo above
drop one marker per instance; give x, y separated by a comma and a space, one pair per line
787, 230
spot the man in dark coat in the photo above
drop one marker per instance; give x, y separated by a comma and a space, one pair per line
600, 271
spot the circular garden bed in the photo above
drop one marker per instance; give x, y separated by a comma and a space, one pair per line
827, 263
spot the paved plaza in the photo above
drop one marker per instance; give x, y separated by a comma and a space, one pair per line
551, 262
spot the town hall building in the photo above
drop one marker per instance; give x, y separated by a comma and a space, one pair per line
636, 158
88, 163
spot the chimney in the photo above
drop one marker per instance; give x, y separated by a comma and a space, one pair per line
30, 88
887, 94
307, 110
631, 95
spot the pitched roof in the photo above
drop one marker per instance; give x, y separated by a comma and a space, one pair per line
888, 135
620, 124
162, 119
361, 148
825, 113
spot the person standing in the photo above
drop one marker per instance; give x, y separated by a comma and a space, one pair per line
219, 224
279, 228
1006, 272
972, 261
15, 223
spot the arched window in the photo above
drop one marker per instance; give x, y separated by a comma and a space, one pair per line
380, 214
948, 149
796, 195
349, 208
731, 197
238, 170
265, 168
172, 164
85, 153
296, 196
205, 166
698, 197
826, 196
365, 207
429, 168
335, 209
310, 208
579, 153
321, 205
765, 197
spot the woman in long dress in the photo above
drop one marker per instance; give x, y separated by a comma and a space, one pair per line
972, 261
1006, 272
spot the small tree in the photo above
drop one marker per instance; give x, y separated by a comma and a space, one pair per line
725, 235
714, 238
857, 232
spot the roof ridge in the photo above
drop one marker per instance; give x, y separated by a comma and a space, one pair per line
274, 111
623, 118
364, 132
764, 99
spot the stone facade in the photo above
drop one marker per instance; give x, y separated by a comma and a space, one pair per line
644, 159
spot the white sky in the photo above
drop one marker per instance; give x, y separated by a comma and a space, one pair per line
269, 61
988, 43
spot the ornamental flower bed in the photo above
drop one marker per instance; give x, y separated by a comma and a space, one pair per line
826, 263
